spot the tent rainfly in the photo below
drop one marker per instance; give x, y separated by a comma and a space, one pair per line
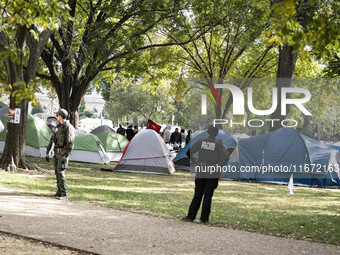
38, 136
88, 148
102, 129
114, 144
287, 152
146, 153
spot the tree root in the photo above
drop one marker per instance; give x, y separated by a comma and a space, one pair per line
31, 166
24, 164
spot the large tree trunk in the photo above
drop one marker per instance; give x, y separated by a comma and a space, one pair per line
287, 59
285, 73
14, 151
71, 97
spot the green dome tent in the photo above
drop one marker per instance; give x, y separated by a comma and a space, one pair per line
38, 136
114, 144
88, 148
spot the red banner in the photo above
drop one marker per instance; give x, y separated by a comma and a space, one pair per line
153, 125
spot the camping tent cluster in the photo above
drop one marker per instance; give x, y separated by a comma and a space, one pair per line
101, 148
271, 157
274, 157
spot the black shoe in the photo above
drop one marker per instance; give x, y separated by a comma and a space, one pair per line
206, 222
186, 218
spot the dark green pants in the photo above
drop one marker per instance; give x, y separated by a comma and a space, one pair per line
60, 174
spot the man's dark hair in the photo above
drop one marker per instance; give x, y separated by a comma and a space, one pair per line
212, 131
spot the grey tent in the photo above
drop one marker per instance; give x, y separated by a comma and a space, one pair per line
102, 129
146, 153
3, 108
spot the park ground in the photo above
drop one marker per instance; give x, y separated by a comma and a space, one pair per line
311, 214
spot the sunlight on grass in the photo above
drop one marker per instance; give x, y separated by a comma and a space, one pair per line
310, 214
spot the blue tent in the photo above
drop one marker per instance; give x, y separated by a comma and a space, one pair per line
335, 145
181, 160
274, 156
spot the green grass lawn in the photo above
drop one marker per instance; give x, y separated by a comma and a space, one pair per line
310, 214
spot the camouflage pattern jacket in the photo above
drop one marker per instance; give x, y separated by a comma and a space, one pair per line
63, 139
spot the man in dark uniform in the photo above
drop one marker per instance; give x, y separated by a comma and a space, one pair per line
62, 140
211, 153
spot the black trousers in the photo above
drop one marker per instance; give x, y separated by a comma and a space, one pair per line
203, 187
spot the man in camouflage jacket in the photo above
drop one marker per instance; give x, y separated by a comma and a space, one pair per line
62, 139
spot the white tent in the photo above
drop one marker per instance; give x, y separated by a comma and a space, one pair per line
146, 153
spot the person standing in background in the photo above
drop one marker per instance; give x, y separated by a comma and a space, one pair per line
129, 133
121, 130
167, 134
183, 136
188, 138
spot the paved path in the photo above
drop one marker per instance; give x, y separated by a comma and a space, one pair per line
107, 231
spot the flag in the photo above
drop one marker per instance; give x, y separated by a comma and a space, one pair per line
153, 125
291, 185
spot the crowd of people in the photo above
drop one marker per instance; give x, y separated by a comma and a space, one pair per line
178, 139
